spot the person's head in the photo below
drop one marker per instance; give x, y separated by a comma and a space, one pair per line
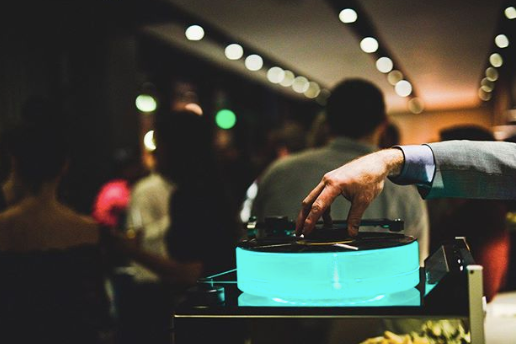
288, 139
37, 145
184, 145
355, 108
466, 132
390, 136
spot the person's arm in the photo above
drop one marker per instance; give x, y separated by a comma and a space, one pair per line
474, 169
464, 169
171, 271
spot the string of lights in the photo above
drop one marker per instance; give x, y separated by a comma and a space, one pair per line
254, 60
355, 18
500, 51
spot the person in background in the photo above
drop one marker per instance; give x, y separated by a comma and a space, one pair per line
391, 136
203, 232
52, 260
288, 139
110, 205
319, 133
460, 217
356, 118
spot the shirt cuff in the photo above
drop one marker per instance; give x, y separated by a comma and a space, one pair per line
419, 166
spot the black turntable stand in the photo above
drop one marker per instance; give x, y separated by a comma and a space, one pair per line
450, 288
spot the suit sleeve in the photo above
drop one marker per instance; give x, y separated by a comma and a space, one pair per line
473, 169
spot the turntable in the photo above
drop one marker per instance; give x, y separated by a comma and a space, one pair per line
328, 266
328, 275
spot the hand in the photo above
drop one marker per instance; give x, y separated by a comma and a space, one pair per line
359, 181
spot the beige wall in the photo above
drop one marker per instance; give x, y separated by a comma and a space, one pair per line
424, 127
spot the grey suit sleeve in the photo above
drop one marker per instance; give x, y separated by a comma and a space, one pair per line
473, 169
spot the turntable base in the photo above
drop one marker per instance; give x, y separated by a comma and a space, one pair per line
332, 274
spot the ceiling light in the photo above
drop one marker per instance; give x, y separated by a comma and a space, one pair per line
510, 12
496, 60
288, 79
416, 105
300, 84
234, 51
403, 88
486, 88
485, 96
486, 82
384, 64
254, 62
502, 41
369, 45
348, 16
394, 77
276, 75
313, 90
194, 33
491, 74
146, 103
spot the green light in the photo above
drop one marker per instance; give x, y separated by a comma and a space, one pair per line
225, 119
354, 276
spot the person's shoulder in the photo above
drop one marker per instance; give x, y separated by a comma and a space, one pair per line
84, 227
151, 183
295, 160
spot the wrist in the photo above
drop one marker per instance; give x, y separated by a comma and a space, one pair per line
394, 160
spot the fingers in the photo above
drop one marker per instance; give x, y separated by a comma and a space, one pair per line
318, 207
355, 214
306, 207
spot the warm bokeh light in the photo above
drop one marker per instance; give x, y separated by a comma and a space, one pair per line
275, 75
254, 62
487, 85
384, 64
485, 96
502, 41
348, 16
288, 79
146, 103
194, 33
225, 119
491, 74
416, 105
403, 88
369, 45
234, 51
496, 60
510, 12
195, 108
313, 90
300, 84
394, 77
148, 141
